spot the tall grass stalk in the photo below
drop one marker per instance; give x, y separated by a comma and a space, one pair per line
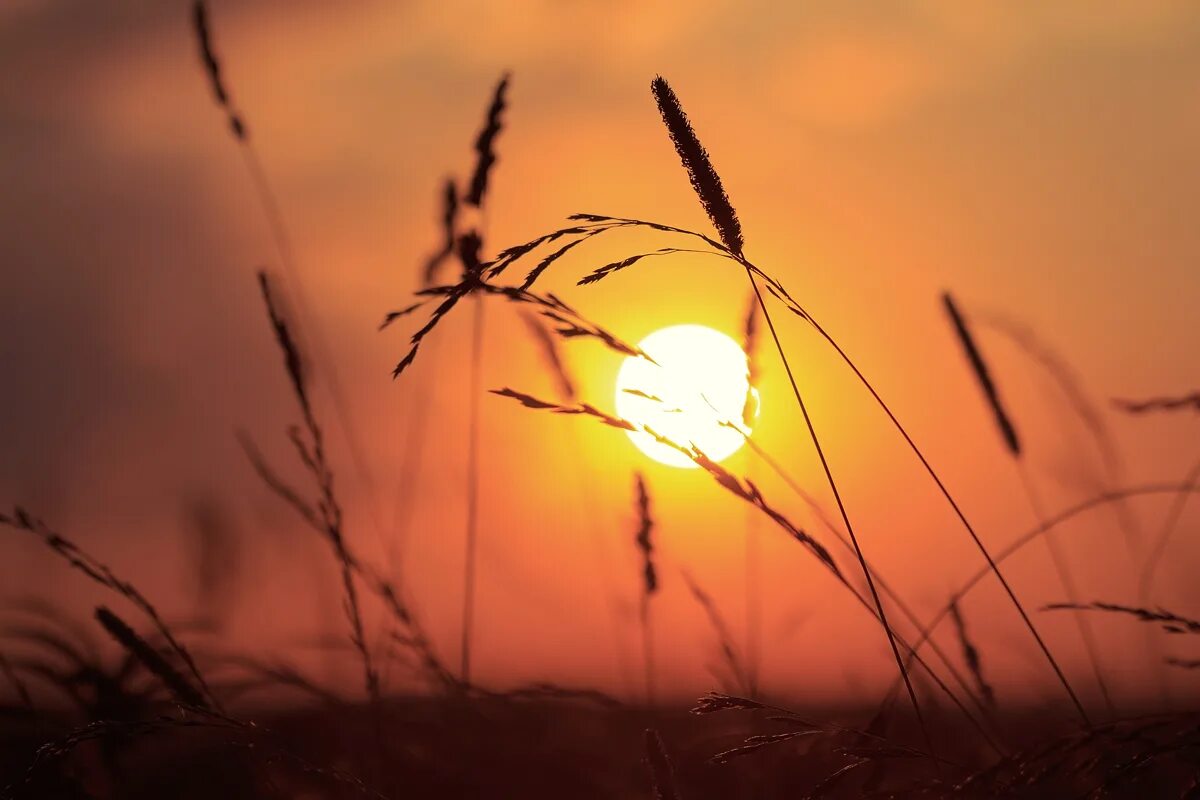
1012, 442
752, 554
1040, 530
285, 250
711, 192
1062, 569
749, 493
472, 487
897, 600
644, 542
470, 248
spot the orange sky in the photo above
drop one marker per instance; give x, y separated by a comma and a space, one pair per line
1038, 160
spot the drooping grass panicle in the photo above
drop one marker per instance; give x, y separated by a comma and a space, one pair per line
585, 409
150, 658
696, 161
511, 255
596, 224
982, 374
753, 744
600, 273
842, 539
971, 656
485, 146
740, 487
877, 744
1153, 404
442, 309
566, 322
212, 67
926, 630
1170, 621
743, 489
101, 574
555, 255
713, 702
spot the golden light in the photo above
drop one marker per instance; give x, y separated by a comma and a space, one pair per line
700, 381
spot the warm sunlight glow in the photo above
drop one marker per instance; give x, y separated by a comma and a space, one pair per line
699, 382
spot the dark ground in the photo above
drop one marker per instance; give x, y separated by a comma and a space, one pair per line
582, 749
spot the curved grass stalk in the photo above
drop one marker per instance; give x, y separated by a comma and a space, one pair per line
783, 296
837, 496
750, 494
893, 595
993, 566
710, 191
1105, 498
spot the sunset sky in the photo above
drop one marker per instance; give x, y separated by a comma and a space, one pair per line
1041, 161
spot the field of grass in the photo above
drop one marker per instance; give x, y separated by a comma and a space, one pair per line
131, 704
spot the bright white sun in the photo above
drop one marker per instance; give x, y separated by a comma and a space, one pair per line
700, 381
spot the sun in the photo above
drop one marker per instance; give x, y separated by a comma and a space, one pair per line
698, 392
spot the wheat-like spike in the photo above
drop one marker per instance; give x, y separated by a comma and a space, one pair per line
983, 375
100, 573
212, 68
971, 656
643, 539
150, 658
701, 173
